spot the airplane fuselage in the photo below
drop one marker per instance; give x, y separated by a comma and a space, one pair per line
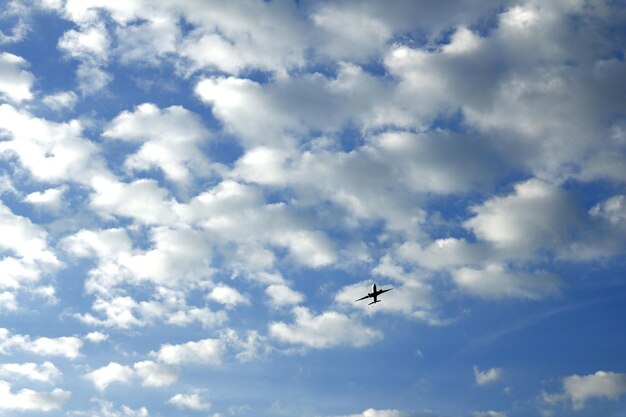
374, 294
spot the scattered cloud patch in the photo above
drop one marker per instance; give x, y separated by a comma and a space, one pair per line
487, 377
96, 337
190, 401
64, 346
488, 414
29, 400
202, 352
44, 372
496, 281
281, 296
101, 378
155, 374
323, 331
227, 296
580, 388
371, 412
15, 81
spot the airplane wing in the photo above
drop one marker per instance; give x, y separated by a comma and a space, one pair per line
362, 298
388, 289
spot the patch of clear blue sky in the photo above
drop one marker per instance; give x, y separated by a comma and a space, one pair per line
39, 48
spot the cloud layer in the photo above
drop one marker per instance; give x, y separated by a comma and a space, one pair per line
207, 187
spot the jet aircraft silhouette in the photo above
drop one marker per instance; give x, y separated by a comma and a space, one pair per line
374, 294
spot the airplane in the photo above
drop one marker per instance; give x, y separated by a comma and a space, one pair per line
374, 294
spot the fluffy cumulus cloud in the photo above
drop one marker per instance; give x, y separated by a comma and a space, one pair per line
190, 401
101, 378
64, 346
203, 352
488, 376
96, 337
535, 216
322, 331
281, 295
169, 140
49, 151
496, 281
45, 372
581, 388
227, 296
152, 374
110, 409
15, 81
25, 258
155, 374
30, 400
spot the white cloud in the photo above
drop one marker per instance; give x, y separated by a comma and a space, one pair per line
24, 258
20, 28
579, 389
325, 330
350, 33
536, 215
412, 298
152, 374
238, 36
488, 414
23, 238
101, 378
612, 209
487, 377
96, 337
66, 346
149, 41
29, 400
205, 351
44, 372
91, 78
50, 151
61, 100
125, 312
191, 401
8, 301
51, 198
85, 12
176, 264
251, 347
281, 296
497, 281
463, 41
371, 412
109, 409
142, 200
227, 296
169, 139
236, 213
442, 253
155, 374
177, 257
89, 43
15, 82
293, 106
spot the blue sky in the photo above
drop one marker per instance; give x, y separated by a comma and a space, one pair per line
193, 194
